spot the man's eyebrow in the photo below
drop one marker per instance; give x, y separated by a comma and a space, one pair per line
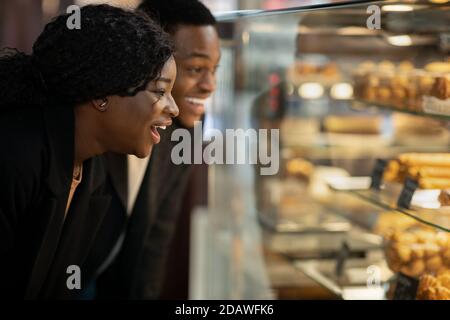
197, 54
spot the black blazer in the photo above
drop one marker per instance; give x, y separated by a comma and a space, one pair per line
137, 272
36, 165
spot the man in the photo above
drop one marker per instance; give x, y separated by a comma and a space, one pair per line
148, 193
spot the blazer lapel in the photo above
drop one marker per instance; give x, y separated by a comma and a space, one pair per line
82, 223
47, 248
117, 168
59, 123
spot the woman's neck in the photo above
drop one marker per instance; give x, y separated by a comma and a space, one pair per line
87, 144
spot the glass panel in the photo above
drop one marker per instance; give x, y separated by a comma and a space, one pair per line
300, 73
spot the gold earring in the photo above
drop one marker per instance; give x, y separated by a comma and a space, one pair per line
103, 105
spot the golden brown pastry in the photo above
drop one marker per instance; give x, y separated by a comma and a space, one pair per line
434, 183
441, 87
391, 172
330, 70
429, 172
405, 66
353, 124
418, 250
438, 67
444, 197
386, 65
425, 159
300, 168
367, 66
434, 288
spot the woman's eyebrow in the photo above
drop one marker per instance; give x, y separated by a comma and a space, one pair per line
165, 80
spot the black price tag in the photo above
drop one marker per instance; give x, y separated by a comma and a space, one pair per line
342, 257
406, 287
377, 174
404, 200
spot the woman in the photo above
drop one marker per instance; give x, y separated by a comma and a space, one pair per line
82, 92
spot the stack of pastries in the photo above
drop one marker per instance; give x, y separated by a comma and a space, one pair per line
430, 170
417, 251
434, 287
401, 86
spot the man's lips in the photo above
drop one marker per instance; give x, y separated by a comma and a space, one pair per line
196, 105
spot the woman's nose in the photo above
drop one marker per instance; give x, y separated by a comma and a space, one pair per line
172, 108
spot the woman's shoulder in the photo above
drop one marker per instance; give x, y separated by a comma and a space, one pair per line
22, 138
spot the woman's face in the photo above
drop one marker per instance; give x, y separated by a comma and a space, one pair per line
131, 123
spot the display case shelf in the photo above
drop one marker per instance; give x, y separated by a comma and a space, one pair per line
361, 104
387, 199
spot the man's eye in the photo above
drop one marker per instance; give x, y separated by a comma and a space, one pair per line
195, 70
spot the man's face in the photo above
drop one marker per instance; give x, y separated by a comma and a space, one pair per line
197, 55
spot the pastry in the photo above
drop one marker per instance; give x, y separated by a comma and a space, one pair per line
434, 287
405, 66
386, 65
418, 250
434, 183
444, 197
425, 159
438, 67
441, 87
353, 124
429, 172
300, 168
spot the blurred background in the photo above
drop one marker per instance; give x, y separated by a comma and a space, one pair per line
21, 21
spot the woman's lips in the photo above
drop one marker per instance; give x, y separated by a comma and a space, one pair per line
156, 138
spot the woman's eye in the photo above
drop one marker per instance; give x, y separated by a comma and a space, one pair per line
160, 93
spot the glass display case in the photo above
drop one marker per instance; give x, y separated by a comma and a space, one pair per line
352, 102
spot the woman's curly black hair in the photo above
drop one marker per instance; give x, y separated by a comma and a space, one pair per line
115, 52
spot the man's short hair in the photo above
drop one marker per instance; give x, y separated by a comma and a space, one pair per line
173, 13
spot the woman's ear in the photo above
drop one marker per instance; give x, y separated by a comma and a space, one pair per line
100, 104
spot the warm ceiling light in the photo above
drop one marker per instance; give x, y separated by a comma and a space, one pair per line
397, 8
400, 41
311, 90
341, 91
